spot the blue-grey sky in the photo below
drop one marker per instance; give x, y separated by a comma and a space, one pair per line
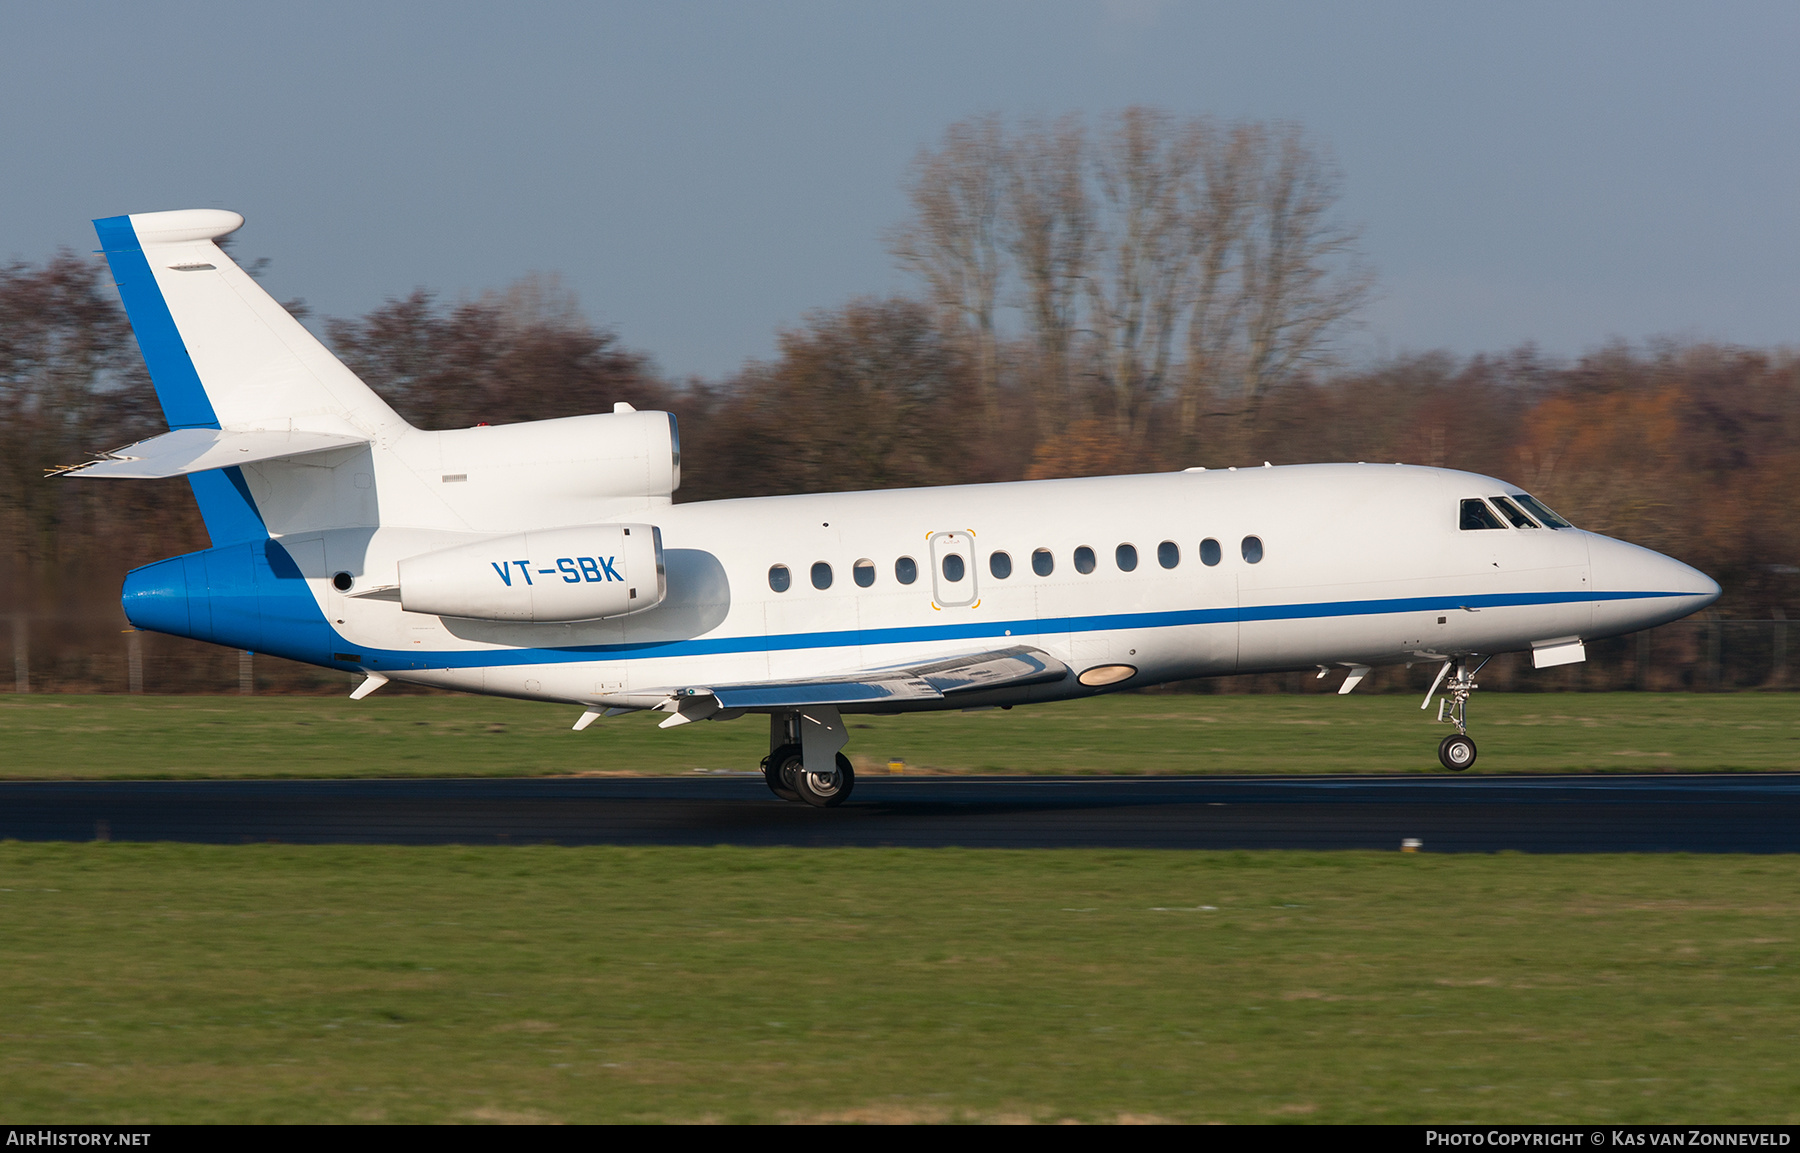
703, 174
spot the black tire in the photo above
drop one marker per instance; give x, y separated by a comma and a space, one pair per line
1456, 752
780, 783
826, 793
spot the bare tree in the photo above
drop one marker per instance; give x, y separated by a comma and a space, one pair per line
1049, 233
1145, 172
1222, 210
952, 241
1300, 279
1161, 239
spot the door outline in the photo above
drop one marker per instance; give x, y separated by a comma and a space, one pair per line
961, 542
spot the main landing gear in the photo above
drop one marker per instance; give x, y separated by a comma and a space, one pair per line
809, 737
1456, 752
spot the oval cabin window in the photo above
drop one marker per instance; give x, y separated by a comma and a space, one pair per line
1084, 560
953, 568
1042, 563
906, 570
1125, 556
1168, 554
1210, 552
821, 575
864, 573
1252, 549
1000, 564
779, 578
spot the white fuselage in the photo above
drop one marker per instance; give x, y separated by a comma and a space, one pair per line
1360, 565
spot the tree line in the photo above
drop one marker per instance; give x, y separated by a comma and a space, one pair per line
1152, 293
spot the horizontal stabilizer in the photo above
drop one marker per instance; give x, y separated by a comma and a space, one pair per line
188, 450
935, 680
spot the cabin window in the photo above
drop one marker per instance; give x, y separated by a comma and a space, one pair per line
1000, 564
1125, 556
953, 567
1084, 560
1168, 554
864, 573
1042, 563
821, 575
1512, 512
1252, 549
1536, 508
906, 570
779, 578
1476, 514
1210, 552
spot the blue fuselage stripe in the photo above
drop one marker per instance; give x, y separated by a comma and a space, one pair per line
984, 630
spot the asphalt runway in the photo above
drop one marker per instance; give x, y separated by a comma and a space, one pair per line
1749, 813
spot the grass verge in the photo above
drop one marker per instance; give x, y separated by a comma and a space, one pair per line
70, 737
169, 983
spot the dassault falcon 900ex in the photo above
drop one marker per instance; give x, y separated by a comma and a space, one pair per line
546, 560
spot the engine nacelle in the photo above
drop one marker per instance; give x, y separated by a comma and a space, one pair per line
564, 574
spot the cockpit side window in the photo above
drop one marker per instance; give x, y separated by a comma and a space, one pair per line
1536, 508
1476, 514
1513, 513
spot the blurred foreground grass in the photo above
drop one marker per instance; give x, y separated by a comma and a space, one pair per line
152, 736
165, 983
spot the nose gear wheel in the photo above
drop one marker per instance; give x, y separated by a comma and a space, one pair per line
1456, 752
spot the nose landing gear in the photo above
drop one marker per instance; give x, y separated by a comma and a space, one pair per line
1456, 752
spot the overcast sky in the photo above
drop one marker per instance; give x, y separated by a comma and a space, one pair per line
702, 175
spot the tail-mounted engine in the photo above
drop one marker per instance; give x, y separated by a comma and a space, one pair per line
565, 574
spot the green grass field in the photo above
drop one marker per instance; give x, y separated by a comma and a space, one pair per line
70, 737
145, 983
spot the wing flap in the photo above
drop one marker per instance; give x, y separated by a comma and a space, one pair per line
189, 450
1012, 667
780, 694
934, 680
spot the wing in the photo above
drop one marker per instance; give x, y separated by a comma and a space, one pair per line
935, 680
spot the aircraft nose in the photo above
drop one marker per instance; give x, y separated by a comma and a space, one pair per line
1638, 588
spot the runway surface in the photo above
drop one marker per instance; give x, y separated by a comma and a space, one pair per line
1747, 813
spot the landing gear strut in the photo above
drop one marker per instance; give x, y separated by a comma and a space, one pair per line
1456, 752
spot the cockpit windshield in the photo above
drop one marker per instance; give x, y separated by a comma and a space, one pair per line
1476, 514
1536, 508
1511, 512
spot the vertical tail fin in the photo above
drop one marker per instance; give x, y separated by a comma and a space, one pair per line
223, 354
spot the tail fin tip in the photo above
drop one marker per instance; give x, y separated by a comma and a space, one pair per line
178, 226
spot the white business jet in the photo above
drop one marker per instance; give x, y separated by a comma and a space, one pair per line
546, 560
